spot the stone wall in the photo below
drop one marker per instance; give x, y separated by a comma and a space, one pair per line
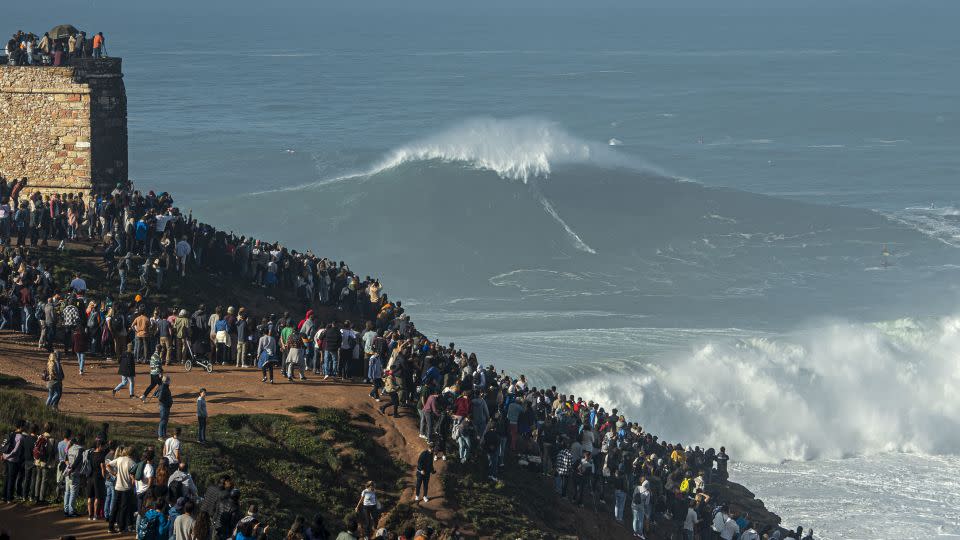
64, 128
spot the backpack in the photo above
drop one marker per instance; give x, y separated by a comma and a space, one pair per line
40, 448
137, 470
116, 325
94, 320
149, 527
10, 442
350, 341
86, 467
176, 488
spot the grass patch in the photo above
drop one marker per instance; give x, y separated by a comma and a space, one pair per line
502, 510
287, 465
11, 381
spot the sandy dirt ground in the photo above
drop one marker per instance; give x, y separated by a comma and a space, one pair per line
230, 390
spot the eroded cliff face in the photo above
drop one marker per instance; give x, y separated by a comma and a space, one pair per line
64, 128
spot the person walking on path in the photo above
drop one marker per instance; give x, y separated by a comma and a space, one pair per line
80, 345
294, 360
202, 416
266, 353
156, 373
54, 378
127, 371
368, 509
166, 403
424, 470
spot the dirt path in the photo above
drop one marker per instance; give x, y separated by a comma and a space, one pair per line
229, 391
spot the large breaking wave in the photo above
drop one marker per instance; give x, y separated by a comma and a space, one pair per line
518, 149
838, 390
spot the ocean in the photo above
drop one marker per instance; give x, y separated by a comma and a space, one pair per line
739, 222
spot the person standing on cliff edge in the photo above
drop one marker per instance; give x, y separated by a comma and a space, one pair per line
99, 50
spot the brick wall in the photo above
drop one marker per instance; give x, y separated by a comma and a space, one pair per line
64, 128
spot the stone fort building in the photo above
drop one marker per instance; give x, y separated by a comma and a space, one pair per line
64, 128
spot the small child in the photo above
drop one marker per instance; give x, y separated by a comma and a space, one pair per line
202, 416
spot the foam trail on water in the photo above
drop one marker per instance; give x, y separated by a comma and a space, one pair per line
577, 241
831, 392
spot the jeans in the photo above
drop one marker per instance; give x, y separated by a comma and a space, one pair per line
155, 382
310, 357
422, 480
109, 500
329, 363
637, 518
123, 281
124, 505
619, 498
266, 368
80, 360
426, 423
202, 428
687, 534
560, 484
14, 470
139, 348
164, 418
493, 459
124, 381
69, 495
26, 319
54, 392
464, 448
346, 355
39, 488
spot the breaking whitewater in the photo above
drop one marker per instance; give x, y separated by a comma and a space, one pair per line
816, 343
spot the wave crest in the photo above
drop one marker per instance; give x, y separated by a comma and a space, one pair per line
515, 149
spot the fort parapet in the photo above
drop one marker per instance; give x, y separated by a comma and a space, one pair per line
64, 128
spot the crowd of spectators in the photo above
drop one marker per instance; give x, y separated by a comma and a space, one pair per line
469, 412
27, 49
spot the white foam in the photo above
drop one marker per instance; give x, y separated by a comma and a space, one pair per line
942, 223
614, 142
832, 391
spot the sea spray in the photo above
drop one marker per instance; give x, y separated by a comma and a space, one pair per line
838, 390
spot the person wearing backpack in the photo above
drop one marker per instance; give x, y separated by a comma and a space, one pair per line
153, 521
13, 454
639, 504
72, 475
44, 455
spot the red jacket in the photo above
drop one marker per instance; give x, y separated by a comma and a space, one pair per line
462, 407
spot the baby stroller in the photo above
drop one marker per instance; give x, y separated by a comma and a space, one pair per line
195, 360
